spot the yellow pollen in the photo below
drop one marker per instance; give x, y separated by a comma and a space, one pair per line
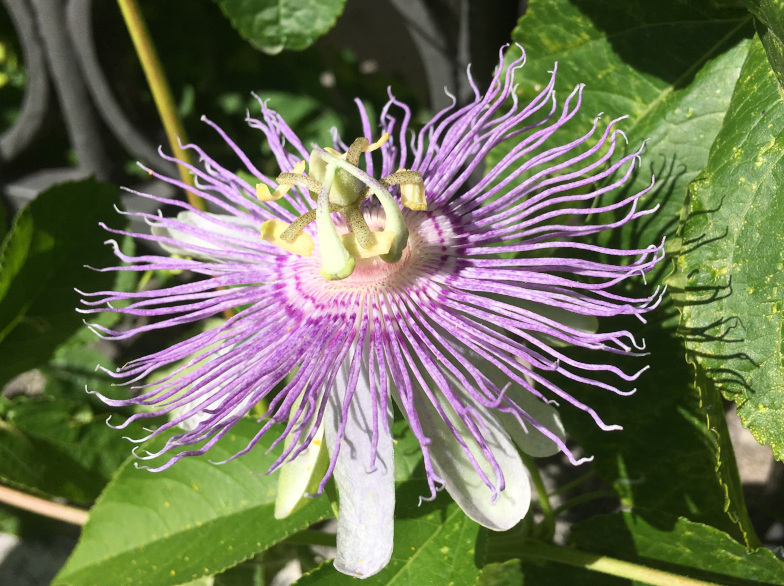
335, 153
302, 244
263, 192
381, 246
377, 144
412, 195
339, 186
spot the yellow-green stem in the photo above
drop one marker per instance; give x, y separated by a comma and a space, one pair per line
546, 528
538, 550
159, 87
34, 504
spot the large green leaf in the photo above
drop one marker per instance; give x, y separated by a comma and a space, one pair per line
770, 26
434, 545
192, 520
676, 92
676, 545
74, 368
729, 272
274, 25
42, 260
58, 447
639, 59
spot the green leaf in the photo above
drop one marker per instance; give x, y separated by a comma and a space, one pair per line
192, 520
3, 223
676, 92
676, 545
249, 573
10, 521
648, 62
73, 368
58, 448
729, 271
274, 25
408, 453
13, 251
770, 27
434, 545
501, 574
42, 260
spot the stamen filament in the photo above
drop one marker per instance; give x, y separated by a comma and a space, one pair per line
359, 226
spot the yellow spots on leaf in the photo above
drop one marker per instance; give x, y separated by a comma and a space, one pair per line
167, 504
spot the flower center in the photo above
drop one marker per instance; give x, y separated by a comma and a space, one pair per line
338, 185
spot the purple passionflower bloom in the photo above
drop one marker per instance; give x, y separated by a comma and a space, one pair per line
389, 274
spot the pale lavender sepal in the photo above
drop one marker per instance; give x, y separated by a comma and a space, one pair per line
214, 225
497, 510
530, 438
366, 489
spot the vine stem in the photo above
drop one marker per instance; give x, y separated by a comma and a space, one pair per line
40, 506
547, 526
161, 93
538, 550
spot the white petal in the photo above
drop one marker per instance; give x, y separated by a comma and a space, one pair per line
529, 439
189, 240
301, 476
192, 422
366, 495
460, 477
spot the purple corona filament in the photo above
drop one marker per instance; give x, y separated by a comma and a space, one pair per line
467, 331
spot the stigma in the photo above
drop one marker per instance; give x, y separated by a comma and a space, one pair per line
337, 185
